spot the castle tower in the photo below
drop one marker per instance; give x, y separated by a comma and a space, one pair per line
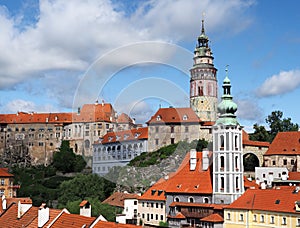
228, 183
203, 83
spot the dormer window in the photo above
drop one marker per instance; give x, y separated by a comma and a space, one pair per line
126, 136
136, 135
117, 138
158, 118
185, 117
110, 138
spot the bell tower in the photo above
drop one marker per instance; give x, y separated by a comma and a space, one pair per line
228, 182
203, 83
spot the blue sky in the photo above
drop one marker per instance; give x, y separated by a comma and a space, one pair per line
58, 54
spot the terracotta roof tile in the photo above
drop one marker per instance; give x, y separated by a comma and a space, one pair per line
95, 113
127, 135
279, 200
4, 173
24, 117
53, 213
102, 224
294, 176
117, 198
285, 143
248, 142
179, 215
174, 115
182, 181
250, 184
214, 218
72, 220
124, 118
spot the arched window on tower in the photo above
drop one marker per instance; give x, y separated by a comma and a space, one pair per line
200, 90
236, 143
222, 162
222, 184
237, 183
236, 163
222, 142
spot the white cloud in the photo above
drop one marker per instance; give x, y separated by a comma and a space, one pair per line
68, 35
284, 82
19, 105
249, 110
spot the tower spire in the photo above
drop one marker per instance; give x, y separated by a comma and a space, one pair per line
202, 30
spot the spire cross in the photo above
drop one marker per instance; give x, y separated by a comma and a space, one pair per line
226, 70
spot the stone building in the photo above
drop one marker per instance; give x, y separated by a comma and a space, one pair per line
284, 151
118, 148
31, 137
7, 187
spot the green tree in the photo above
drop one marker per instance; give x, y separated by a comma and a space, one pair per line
84, 186
260, 134
279, 124
66, 161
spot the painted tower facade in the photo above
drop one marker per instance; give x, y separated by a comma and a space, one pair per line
203, 83
228, 182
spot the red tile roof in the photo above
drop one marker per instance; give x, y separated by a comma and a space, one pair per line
127, 135
179, 215
72, 220
248, 142
294, 175
53, 213
124, 118
182, 181
214, 218
4, 173
24, 117
95, 113
102, 224
174, 115
285, 143
277, 200
250, 184
83, 203
117, 198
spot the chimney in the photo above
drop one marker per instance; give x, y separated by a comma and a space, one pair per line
96, 103
4, 203
78, 111
193, 159
85, 208
102, 103
205, 159
43, 215
23, 207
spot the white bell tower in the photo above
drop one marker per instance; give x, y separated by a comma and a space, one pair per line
228, 183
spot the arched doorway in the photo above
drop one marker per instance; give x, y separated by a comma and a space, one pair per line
250, 162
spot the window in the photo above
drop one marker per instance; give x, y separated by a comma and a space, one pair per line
135, 202
262, 218
156, 217
152, 206
283, 220
2, 182
292, 162
161, 217
186, 129
172, 140
151, 216
273, 162
172, 129
228, 216
143, 215
1, 192
156, 141
222, 162
161, 205
184, 117
222, 183
272, 220
222, 142
205, 200
176, 199
284, 162
41, 144
158, 118
241, 217
191, 200
254, 218
156, 205
87, 126
298, 221
156, 129
148, 217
